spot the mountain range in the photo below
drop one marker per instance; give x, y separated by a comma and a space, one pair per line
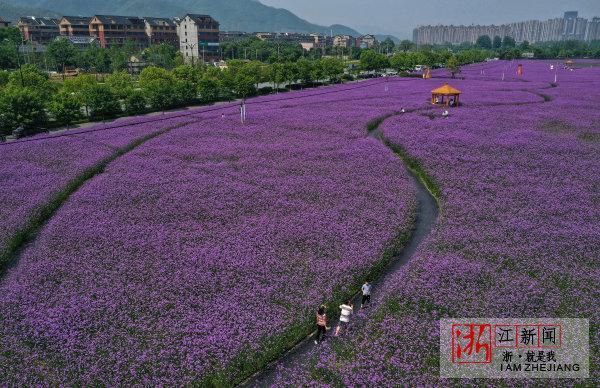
234, 15
12, 12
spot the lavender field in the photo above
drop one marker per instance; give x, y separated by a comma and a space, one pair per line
200, 248
519, 235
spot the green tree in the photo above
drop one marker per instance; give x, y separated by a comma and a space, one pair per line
30, 76
154, 74
161, 55
333, 68
79, 84
278, 75
388, 45
452, 65
8, 54
12, 34
510, 53
188, 73
101, 101
406, 45
291, 72
497, 43
244, 85
135, 102
21, 107
61, 53
208, 88
119, 58
253, 70
484, 41
372, 61
159, 87
94, 58
185, 92
400, 62
65, 108
305, 70
508, 42
120, 83
3, 78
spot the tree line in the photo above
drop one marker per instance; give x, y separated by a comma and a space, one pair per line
507, 48
31, 100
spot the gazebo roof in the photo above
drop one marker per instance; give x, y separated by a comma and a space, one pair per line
446, 89
569, 61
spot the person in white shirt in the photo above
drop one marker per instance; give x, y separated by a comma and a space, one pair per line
366, 294
347, 310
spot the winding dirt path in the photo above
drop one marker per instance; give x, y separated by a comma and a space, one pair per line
426, 217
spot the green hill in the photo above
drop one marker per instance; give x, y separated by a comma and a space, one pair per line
239, 15
13, 12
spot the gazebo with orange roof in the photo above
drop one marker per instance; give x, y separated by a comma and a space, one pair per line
444, 94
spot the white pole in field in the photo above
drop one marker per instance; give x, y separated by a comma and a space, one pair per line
243, 111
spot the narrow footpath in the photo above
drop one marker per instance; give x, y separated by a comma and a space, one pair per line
426, 216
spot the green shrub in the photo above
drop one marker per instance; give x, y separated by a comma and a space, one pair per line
120, 83
65, 108
101, 101
208, 88
135, 102
185, 93
21, 107
160, 94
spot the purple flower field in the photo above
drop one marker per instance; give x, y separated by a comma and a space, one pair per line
200, 245
519, 234
203, 252
32, 173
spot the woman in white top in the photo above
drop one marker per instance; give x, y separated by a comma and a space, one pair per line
347, 310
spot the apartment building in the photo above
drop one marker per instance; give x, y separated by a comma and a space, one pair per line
199, 38
366, 41
74, 26
116, 30
593, 30
569, 27
344, 41
38, 30
161, 30
4, 23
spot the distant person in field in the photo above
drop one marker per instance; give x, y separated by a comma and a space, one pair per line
321, 324
445, 113
366, 294
347, 310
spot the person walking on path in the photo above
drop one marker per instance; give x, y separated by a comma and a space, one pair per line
347, 310
321, 324
366, 294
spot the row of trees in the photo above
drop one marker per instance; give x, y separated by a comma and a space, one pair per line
31, 100
507, 48
407, 60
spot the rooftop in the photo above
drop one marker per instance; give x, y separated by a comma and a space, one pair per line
446, 89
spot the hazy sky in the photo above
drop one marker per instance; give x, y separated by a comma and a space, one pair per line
399, 17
